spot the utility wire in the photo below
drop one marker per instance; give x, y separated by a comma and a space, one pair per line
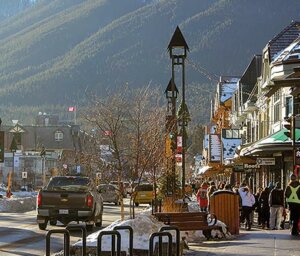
203, 71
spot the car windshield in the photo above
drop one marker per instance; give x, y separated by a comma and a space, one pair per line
144, 187
68, 183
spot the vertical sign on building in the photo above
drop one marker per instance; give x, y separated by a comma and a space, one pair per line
1, 146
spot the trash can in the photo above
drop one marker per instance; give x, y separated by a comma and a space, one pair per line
225, 205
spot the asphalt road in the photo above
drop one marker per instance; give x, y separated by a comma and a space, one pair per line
20, 235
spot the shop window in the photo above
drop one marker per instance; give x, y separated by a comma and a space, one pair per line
277, 108
288, 106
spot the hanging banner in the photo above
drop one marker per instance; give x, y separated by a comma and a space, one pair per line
179, 144
178, 159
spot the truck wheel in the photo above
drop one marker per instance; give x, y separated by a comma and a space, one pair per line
89, 227
53, 222
98, 223
42, 226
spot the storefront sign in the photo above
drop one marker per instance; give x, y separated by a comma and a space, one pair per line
238, 168
265, 161
251, 166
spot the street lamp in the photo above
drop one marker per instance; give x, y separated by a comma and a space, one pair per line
171, 128
178, 51
13, 149
43, 157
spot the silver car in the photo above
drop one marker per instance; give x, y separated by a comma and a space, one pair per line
109, 193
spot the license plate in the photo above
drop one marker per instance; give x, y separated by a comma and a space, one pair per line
63, 211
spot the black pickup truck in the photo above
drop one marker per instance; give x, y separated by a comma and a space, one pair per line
69, 198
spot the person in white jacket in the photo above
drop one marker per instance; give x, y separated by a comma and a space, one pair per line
248, 200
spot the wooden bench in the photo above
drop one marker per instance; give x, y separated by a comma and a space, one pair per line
189, 221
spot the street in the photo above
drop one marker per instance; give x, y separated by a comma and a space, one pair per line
20, 235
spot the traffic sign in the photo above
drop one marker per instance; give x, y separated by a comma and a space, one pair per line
24, 175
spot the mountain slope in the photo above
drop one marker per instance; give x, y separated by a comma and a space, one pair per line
59, 51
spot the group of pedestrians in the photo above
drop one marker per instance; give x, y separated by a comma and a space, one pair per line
269, 203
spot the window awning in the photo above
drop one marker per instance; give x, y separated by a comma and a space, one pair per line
275, 142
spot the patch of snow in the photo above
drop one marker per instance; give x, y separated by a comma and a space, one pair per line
144, 225
18, 202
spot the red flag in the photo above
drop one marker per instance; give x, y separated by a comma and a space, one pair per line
107, 133
72, 109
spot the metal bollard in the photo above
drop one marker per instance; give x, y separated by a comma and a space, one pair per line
165, 228
77, 227
66, 240
130, 237
113, 234
160, 235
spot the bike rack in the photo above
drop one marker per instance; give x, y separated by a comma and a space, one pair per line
160, 235
169, 228
113, 234
130, 249
78, 227
66, 240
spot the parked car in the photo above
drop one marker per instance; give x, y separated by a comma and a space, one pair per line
109, 193
124, 186
143, 194
69, 198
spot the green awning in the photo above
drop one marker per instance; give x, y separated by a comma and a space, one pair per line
276, 142
280, 136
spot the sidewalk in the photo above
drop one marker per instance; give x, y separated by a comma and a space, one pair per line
255, 242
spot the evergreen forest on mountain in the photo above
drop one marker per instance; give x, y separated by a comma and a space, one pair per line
56, 53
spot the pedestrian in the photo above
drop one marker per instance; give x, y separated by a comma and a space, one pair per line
227, 187
292, 195
221, 186
211, 189
264, 207
256, 207
202, 197
248, 201
276, 203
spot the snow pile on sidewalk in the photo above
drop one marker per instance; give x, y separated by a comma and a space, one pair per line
18, 202
143, 226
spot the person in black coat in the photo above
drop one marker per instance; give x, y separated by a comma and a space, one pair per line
276, 202
264, 207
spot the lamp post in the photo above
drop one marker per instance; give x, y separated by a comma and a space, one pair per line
171, 128
43, 157
178, 51
13, 149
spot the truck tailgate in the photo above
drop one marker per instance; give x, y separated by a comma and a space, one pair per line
62, 199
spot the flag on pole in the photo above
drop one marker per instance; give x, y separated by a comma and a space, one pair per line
72, 109
107, 133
